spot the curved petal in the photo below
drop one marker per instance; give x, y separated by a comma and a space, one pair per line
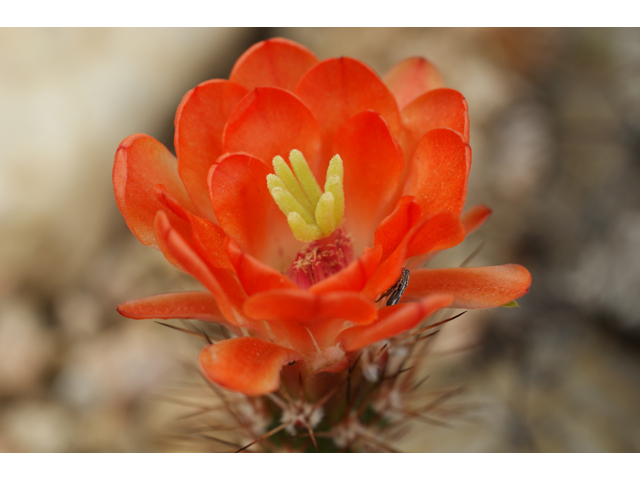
441, 108
142, 163
290, 335
276, 62
478, 287
473, 218
169, 203
198, 305
255, 276
392, 321
325, 332
199, 122
395, 227
438, 232
352, 278
247, 365
372, 168
387, 273
339, 88
209, 240
220, 282
410, 78
306, 307
270, 121
246, 211
205, 236
439, 172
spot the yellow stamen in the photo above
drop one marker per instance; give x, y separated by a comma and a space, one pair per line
305, 176
333, 185
336, 168
286, 176
303, 231
273, 181
288, 204
311, 213
325, 215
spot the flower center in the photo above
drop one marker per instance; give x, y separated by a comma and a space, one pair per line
321, 259
311, 214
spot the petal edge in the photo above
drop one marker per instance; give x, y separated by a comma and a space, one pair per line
472, 287
393, 321
276, 62
246, 365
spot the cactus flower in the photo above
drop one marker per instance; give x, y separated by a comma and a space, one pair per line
301, 191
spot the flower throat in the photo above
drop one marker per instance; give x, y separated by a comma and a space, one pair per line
314, 216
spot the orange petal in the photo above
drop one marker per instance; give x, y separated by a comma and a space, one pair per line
325, 333
354, 277
478, 287
438, 232
247, 365
393, 228
412, 77
441, 108
270, 121
220, 282
392, 321
209, 240
255, 276
205, 236
199, 122
339, 88
140, 165
198, 305
388, 271
473, 218
306, 307
439, 172
290, 335
245, 209
169, 203
372, 168
276, 62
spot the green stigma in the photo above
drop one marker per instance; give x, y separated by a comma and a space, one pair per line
311, 214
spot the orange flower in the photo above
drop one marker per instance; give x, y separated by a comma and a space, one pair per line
399, 181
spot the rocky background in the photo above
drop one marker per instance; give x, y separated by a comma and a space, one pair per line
555, 132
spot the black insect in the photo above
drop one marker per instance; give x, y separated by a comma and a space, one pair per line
397, 289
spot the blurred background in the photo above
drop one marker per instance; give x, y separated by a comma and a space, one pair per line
555, 133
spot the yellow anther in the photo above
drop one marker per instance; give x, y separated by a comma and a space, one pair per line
286, 176
273, 181
325, 216
288, 204
305, 176
311, 213
336, 168
302, 230
333, 185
